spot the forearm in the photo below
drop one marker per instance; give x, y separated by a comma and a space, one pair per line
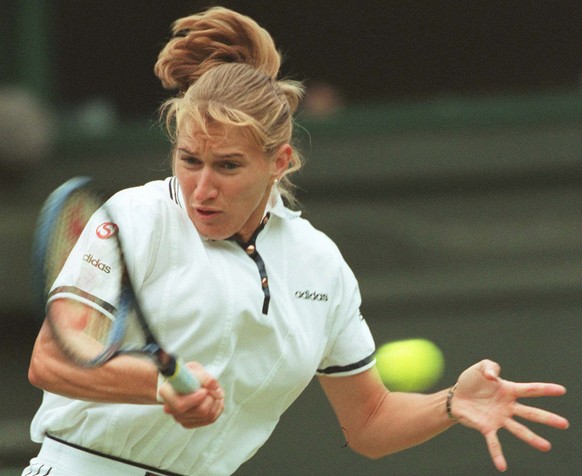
379, 422
123, 380
400, 421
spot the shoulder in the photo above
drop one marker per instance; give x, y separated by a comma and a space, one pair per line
149, 210
303, 228
296, 231
152, 201
306, 242
151, 224
158, 191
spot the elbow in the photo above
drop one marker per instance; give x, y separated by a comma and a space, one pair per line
36, 373
372, 455
39, 371
369, 453
367, 450
44, 362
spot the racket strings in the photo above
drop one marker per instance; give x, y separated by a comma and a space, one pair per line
70, 223
91, 329
84, 331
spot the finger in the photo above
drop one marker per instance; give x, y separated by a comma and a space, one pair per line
544, 417
178, 403
171, 396
490, 369
206, 380
537, 389
206, 414
206, 410
215, 412
495, 451
218, 394
215, 390
203, 377
525, 434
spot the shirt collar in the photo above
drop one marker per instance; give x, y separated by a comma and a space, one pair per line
276, 206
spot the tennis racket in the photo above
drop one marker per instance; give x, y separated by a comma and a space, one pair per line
96, 332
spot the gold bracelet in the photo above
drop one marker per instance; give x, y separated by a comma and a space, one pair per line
450, 396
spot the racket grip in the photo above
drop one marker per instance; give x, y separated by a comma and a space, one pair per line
183, 380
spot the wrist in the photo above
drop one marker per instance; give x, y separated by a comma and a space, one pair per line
161, 381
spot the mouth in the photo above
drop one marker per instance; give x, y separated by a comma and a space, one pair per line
206, 213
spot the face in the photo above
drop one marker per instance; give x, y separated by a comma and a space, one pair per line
226, 180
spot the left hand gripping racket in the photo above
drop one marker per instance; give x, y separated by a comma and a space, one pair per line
88, 336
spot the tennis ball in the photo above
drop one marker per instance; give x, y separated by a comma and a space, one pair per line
411, 365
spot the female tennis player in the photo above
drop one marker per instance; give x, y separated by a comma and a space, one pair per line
254, 298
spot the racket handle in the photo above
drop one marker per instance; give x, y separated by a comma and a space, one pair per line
183, 380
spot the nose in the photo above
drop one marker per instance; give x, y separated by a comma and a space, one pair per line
205, 188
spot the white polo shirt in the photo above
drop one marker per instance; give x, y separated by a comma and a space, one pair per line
205, 302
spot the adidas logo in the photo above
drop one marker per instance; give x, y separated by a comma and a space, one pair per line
97, 263
311, 296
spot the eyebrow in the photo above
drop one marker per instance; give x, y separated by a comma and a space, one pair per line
232, 155
229, 155
185, 150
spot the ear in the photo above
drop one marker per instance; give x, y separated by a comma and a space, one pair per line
281, 161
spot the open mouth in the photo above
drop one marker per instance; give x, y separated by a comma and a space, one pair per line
206, 213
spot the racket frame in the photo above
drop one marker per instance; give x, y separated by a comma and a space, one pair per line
168, 365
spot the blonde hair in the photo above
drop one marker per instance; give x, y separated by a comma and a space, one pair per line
225, 67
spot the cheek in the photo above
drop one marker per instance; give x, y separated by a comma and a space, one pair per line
186, 178
248, 186
241, 202
186, 186
253, 193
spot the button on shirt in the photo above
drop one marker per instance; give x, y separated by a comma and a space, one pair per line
204, 300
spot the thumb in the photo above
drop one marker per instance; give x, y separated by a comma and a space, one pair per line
490, 369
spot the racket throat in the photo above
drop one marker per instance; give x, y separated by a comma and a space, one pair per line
166, 363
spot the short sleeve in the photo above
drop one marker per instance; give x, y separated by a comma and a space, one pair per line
351, 346
92, 272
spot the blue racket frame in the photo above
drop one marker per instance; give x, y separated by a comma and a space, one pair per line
179, 376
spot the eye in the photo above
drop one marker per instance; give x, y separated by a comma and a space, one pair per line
228, 165
189, 160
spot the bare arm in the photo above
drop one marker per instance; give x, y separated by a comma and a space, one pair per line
124, 379
379, 422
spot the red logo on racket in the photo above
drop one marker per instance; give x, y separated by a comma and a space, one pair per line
106, 230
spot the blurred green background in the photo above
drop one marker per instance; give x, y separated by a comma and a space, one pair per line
444, 156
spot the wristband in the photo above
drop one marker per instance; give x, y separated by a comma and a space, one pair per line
161, 381
449, 404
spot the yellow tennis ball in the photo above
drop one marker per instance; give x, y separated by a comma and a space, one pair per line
411, 365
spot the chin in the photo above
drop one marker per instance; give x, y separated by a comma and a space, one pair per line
213, 235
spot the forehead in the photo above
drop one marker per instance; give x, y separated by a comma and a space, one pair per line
214, 136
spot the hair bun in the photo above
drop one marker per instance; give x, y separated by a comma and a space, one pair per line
217, 36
